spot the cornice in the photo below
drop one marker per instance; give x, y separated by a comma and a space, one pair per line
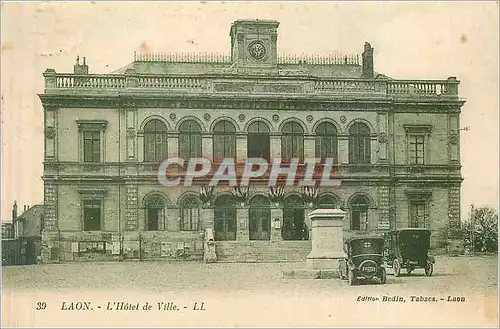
249, 102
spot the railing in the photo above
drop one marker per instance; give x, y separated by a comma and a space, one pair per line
220, 83
345, 85
329, 59
170, 82
182, 57
89, 81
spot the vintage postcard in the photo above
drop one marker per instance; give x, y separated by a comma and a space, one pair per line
249, 164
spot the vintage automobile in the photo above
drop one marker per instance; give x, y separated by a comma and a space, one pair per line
363, 260
408, 248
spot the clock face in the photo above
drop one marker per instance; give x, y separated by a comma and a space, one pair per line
257, 50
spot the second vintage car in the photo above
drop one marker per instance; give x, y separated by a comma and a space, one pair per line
408, 248
363, 260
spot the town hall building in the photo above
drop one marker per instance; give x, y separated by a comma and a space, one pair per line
395, 147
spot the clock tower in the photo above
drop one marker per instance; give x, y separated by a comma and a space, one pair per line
253, 44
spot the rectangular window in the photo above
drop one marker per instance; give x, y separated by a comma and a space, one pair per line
91, 146
417, 214
416, 149
92, 215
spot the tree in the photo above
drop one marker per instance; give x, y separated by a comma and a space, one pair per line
481, 229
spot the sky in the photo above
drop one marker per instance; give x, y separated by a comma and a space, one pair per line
418, 40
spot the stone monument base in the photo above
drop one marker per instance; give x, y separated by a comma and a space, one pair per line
322, 263
310, 274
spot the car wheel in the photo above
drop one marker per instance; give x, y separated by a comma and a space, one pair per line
429, 269
352, 278
396, 267
383, 276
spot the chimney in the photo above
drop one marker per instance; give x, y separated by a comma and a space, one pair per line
367, 61
14, 212
81, 68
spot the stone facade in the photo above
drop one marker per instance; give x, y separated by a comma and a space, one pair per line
100, 167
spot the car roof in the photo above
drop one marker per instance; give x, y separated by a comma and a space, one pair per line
409, 229
363, 238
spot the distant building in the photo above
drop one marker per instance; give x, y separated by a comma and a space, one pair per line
10, 247
7, 230
28, 231
395, 145
21, 238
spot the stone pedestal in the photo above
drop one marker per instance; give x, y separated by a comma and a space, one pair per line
327, 239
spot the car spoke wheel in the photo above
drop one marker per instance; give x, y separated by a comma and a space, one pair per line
352, 278
429, 269
383, 276
396, 267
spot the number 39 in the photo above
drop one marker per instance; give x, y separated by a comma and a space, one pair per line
41, 306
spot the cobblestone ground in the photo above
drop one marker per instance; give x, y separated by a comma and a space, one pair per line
478, 275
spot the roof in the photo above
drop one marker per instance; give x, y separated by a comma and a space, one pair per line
372, 237
409, 229
32, 211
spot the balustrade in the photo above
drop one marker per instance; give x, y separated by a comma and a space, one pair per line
391, 88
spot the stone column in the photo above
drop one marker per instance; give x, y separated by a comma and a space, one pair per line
343, 150
327, 241
207, 146
276, 223
275, 147
241, 147
207, 217
131, 214
383, 209
173, 145
242, 233
50, 233
374, 149
309, 147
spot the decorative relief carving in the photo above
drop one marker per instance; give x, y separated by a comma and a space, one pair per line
50, 132
173, 116
454, 138
276, 118
257, 50
207, 117
131, 133
241, 117
309, 118
258, 87
343, 119
382, 137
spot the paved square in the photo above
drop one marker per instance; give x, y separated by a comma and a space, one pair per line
477, 275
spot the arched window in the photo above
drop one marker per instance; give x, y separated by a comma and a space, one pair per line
292, 142
155, 141
190, 213
155, 214
224, 141
294, 226
359, 213
259, 218
258, 143
359, 144
225, 218
326, 141
190, 140
326, 201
